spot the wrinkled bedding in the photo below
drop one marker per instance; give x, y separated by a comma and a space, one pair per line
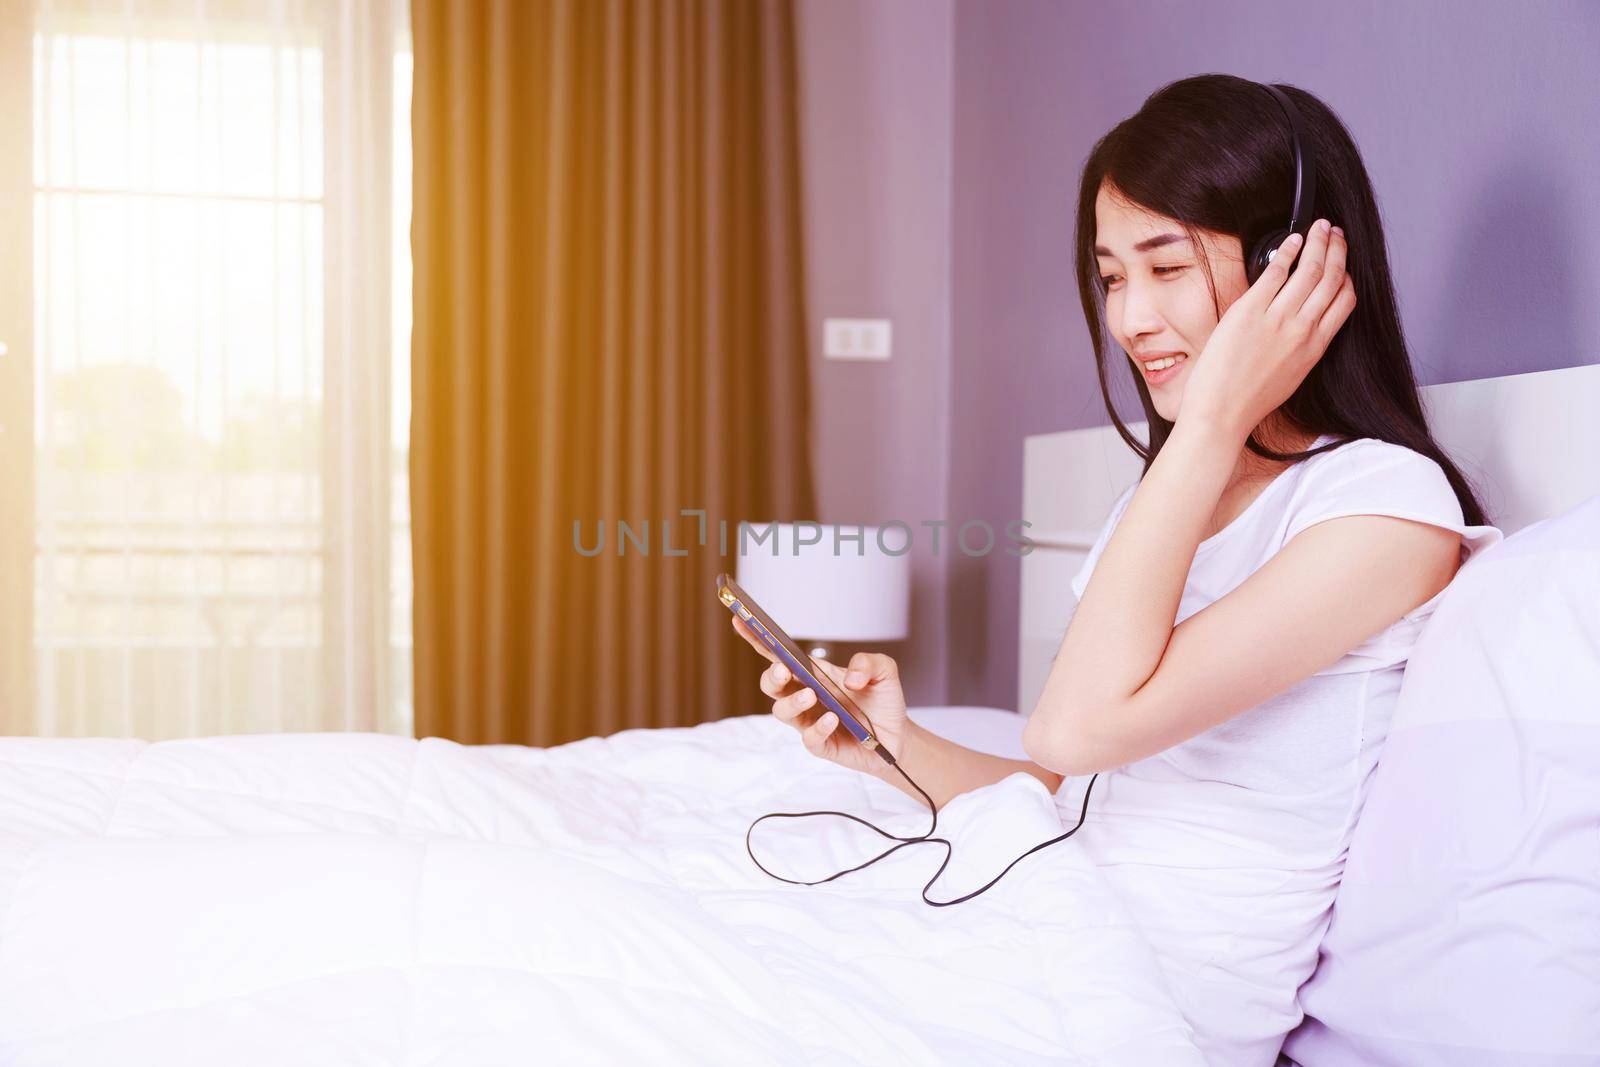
349, 899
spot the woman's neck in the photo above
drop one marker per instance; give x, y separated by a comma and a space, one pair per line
1278, 436
1252, 473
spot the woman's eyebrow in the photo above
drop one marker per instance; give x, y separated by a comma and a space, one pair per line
1147, 244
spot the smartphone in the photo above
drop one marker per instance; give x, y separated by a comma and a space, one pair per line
802, 666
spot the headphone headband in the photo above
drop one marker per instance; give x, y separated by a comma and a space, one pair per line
1305, 190
1305, 171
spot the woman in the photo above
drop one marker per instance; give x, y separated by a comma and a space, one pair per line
1236, 653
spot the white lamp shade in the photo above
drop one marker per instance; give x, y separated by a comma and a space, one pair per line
817, 593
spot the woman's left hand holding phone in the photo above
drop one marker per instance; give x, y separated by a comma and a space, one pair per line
872, 680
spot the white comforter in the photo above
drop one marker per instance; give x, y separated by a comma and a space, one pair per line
361, 899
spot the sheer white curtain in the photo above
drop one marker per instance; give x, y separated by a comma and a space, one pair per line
220, 371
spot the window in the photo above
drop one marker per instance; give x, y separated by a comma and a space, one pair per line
219, 365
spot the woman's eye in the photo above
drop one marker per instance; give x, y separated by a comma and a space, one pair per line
1109, 279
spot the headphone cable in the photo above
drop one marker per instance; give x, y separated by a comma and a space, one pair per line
924, 838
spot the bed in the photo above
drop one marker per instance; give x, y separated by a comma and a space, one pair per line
362, 899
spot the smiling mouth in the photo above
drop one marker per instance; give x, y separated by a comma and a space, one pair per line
1155, 367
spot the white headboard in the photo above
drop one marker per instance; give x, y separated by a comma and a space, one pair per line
1528, 443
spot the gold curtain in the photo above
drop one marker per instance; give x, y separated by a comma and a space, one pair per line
609, 326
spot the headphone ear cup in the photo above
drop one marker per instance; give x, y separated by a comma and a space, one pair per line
1261, 254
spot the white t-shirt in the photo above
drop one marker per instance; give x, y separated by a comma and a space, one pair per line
1229, 846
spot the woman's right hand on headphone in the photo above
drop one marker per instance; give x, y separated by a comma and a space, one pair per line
1270, 338
872, 681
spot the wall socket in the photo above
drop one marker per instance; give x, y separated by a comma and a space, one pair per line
856, 338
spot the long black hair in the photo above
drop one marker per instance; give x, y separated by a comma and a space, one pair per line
1214, 152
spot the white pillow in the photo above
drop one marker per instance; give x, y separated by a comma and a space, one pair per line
1466, 931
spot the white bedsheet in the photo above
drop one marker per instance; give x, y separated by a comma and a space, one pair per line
362, 899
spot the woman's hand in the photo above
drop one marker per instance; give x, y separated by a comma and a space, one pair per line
872, 681
1269, 339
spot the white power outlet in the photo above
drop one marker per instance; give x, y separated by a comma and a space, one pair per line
856, 338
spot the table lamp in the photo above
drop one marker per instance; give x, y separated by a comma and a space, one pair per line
855, 593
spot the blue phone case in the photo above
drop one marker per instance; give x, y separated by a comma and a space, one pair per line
799, 664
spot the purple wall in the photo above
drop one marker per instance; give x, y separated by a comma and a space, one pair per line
875, 85
1477, 120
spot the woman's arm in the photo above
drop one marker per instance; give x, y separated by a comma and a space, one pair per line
943, 768
946, 769
1127, 683
1124, 620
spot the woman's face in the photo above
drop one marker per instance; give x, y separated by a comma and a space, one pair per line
1157, 302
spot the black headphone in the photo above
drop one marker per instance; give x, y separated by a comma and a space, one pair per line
1305, 191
